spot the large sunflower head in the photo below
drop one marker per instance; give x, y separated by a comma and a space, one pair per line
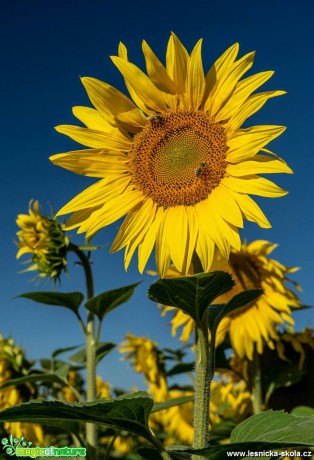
256, 323
44, 239
173, 159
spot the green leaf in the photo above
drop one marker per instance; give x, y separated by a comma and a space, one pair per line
102, 349
172, 402
265, 431
40, 377
303, 411
180, 369
107, 301
59, 351
275, 426
191, 294
219, 311
129, 412
70, 300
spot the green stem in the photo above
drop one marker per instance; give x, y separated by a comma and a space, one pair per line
91, 430
256, 384
202, 384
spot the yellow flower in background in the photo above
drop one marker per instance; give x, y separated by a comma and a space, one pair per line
256, 323
43, 238
299, 341
13, 364
102, 388
146, 359
175, 160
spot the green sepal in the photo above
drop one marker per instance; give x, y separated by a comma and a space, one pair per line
107, 301
191, 294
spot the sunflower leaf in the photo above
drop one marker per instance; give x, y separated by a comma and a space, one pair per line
172, 402
102, 349
107, 301
129, 412
70, 300
191, 294
219, 311
265, 431
36, 377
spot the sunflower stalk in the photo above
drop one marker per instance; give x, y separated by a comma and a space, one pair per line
256, 384
91, 430
202, 384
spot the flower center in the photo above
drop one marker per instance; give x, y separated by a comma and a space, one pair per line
178, 158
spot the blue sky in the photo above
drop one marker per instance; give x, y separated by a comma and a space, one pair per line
47, 46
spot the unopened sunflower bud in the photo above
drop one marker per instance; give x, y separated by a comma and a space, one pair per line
44, 239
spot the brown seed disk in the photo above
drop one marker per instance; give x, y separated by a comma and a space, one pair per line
178, 158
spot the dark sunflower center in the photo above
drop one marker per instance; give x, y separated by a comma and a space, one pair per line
178, 158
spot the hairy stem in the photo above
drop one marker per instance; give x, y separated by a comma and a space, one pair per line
91, 430
202, 384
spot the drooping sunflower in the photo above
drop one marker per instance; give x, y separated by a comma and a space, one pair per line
256, 323
174, 160
43, 238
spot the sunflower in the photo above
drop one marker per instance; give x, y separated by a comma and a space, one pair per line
13, 364
174, 160
256, 323
147, 359
44, 239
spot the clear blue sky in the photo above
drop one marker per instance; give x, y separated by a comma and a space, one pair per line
46, 46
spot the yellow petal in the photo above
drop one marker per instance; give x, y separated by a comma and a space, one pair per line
243, 90
192, 236
254, 185
92, 119
225, 205
151, 97
108, 100
134, 223
123, 53
195, 80
92, 162
133, 120
137, 239
251, 210
80, 217
176, 62
205, 249
176, 232
156, 71
251, 106
97, 194
114, 210
259, 165
227, 83
209, 225
248, 142
220, 67
162, 251
96, 139
146, 246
